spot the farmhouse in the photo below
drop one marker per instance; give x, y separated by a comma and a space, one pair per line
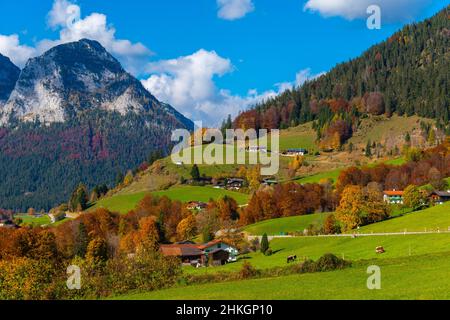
393, 196
196, 205
269, 181
235, 184
295, 152
55, 217
439, 197
220, 245
214, 253
188, 253
7, 223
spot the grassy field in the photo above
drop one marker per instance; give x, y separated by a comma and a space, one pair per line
34, 221
418, 277
302, 136
432, 219
123, 203
347, 247
284, 225
396, 162
333, 174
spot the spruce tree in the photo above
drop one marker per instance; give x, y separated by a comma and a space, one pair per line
264, 243
195, 173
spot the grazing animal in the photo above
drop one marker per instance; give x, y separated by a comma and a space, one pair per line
291, 259
379, 250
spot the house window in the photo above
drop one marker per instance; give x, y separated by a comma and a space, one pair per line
219, 245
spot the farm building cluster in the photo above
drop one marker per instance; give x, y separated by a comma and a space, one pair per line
214, 253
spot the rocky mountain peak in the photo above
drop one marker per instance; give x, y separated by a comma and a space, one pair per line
76, 77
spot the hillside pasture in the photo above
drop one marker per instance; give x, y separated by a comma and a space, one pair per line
285, 225
436, 218
417, 277
123, 203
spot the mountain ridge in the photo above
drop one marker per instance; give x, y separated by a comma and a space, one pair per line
76, 116
76, 77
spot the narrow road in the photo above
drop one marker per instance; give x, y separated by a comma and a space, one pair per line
250, 237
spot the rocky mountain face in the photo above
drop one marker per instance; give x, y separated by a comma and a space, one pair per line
75, 116
9, 73
77, 77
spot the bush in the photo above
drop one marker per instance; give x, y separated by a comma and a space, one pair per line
329, 262
254, 245
268, 252
248, 271
306, 266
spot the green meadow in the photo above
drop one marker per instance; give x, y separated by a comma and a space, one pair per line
316, 178
418, 277
285, 225
123, 203
362, 247
34, 221
436, 218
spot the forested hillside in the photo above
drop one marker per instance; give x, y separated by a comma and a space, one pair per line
76, 116
407, 74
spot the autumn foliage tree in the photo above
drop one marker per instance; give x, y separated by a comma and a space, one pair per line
413, 197
187, 228
359, 206
350, 207
330, 225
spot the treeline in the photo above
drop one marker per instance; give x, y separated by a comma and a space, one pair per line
407, 74
116, 253
40, 166
289, 199
426, 167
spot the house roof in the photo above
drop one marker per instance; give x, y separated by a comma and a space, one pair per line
296, 150
393, 193
212, 243
187, 249
441, 193
180, 250
217, 250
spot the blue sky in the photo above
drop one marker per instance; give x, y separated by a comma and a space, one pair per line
209, 58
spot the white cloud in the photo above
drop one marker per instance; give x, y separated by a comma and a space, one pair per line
234, 9
391, 10
66, 17
63, 12
300, 78
19, 54
188, 84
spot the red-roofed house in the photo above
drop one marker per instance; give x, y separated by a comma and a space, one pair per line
393, 196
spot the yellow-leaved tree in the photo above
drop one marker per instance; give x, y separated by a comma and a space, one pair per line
187, 228
351, 207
